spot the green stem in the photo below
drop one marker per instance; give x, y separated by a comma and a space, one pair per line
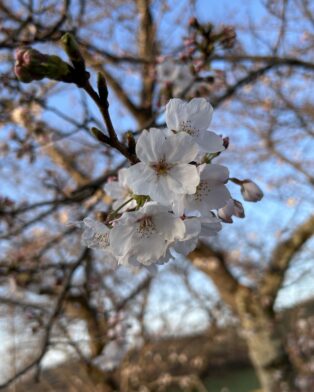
114, 213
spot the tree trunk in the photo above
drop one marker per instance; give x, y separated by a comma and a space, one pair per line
266, 344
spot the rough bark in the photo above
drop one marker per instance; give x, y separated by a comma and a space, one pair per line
265, 343
262, 332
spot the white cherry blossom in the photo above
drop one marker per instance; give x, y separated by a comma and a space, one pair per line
189, 242
166, 71
178, 75
96, 235
182, 193
183, 80
196, 228
164, 171
120, 192
146, 234
211, 193
194, 118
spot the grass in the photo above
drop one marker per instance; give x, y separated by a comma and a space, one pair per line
239, 380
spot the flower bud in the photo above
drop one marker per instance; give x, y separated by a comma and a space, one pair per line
228, 37
193, 22
73, 51
102, 88
251, 191
100, 136
238, 209
226, 142
31, 65
130, 142
225, 213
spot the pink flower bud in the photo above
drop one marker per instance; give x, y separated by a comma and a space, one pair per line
193, 22
225, 141
225, 213
251, 191
31, 65
238, 209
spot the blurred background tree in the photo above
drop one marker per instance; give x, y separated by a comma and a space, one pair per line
120, 331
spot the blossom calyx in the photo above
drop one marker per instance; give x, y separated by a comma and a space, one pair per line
251, 191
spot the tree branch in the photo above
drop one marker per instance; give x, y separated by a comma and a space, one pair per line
54, 314
213, 264
281, 259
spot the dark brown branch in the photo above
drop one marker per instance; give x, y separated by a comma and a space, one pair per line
113, 140
213, 263
147, 50
232, 90
273, 60
48, 329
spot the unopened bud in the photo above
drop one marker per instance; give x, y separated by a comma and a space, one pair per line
225, 142
99, 135
228, 36
193, 22
251, 191
73, 51
225, 213
238, 209
130, 142
31, 65
102, 88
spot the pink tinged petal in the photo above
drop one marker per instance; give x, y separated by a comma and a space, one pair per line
209, 141
214, 174
149, 147
180, 148
251, 191
183, 179
225, 213
238, 209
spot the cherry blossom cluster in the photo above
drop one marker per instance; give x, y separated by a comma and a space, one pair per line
191, 74
173, 196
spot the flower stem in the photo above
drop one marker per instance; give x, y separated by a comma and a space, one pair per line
114, 213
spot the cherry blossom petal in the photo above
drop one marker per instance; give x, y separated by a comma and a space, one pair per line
209, 141
214, 174
180, 148
183, 179
181, 115
150, 145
